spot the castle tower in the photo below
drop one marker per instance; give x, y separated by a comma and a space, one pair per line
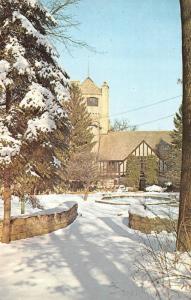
97, 101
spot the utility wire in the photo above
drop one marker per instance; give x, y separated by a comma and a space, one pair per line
145, 106
153, 121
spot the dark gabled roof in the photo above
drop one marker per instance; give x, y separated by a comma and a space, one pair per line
119, 145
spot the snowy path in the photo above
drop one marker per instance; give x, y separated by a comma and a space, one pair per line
91, 259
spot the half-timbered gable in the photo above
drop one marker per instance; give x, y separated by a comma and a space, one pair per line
143, 149
116, 147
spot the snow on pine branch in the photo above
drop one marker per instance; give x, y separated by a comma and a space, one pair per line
18, 52
30, 29
48, 71
35, 4
37, 97
4, 69
56, 76
44, 123
41, 98
4, 80
9, 146
60, 90
32, 3
33, 101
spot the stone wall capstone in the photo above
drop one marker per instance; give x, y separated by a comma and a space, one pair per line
38, 224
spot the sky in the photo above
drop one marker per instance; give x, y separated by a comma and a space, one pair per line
138, 45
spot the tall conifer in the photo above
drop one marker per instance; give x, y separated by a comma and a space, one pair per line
173, 155
33, 124
82, 165
177, 132
81, 123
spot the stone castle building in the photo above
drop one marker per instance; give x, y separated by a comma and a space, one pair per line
97, 101
114, 148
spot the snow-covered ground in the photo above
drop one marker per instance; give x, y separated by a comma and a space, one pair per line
94, 258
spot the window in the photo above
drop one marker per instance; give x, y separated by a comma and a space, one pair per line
112, 166
92, 101
162, 166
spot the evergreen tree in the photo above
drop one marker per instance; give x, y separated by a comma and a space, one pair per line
81, 135
151, 169
177, 132
81, 166
173, 163
173, 155
33, 123
133, 171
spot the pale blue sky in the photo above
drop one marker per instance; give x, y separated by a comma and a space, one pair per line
140, 41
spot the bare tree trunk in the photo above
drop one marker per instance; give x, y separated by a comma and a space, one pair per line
22, 202
184, 222
86, 191
86, 195
7, 207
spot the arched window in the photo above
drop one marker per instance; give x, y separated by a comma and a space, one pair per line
92, 101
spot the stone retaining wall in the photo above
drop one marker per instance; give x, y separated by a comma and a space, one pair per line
39, 224
147, 225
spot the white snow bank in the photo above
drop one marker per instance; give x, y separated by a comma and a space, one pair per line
169, 270
62, 207
153, 211
59, 209
94, 258
154, 188
93, 210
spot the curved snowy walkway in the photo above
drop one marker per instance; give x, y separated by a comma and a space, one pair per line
94, 258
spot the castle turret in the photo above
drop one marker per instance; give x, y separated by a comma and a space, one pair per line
104, 109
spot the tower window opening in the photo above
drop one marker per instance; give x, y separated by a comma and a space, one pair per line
92, 101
